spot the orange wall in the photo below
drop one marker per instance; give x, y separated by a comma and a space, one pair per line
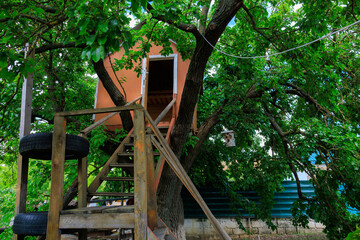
132, 86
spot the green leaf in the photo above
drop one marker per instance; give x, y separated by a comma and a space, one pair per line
98, 54
40, 10
90, 40
102, 40
103, 27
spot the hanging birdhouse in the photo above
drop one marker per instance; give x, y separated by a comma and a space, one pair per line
229, 137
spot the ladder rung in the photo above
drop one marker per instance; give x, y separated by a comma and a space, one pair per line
126, 154
131, 154
122, 165
112, 194
117, 178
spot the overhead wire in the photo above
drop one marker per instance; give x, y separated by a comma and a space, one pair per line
278, 53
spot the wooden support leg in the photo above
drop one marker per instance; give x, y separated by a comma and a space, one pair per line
57, 178
21, 188
82, 189
151, 188
140, 188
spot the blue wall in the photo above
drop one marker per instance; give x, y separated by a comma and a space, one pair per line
219, 204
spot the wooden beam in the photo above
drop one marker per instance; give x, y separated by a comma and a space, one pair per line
151, 188
146, 91
176, 166
97, 220
57, 178
98, 110
82, 188
25, 123
21, 185
87, 130
165, 111
160, 164
140, 175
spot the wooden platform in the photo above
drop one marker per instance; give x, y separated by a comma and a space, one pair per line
108, 217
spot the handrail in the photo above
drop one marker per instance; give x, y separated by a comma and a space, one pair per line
176, 166
160, 164
98, 110
164, 112
87, 130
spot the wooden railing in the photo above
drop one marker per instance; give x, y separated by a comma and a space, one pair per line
145, 194
87, 130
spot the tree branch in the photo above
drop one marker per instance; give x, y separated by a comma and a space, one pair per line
53, 46
182, 26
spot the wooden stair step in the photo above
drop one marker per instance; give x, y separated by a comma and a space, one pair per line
131, 154
111, 194
117, 178
122, 165
126, 154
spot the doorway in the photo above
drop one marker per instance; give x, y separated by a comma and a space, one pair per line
161, 85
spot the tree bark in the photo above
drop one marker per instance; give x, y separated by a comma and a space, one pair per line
169, 198
114, 93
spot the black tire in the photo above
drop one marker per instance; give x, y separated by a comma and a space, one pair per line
39, 145
30, 224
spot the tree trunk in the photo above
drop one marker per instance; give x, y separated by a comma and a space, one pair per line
114, 93
169, 199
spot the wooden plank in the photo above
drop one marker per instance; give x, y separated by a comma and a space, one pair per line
25, 125
160, 164
21, 185
102, 209
87, 130
106, 168
122, 165
151, 188
145, 98
57, 178
117, 178
82, 189
98, 110
140, 173
97, 220
82, 181
111, 194
176, 166
165, 111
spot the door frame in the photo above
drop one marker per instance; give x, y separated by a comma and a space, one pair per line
144, 71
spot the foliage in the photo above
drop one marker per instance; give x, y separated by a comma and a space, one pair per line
354, 235
283, 108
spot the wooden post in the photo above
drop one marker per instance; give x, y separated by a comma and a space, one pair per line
82, 189
145, 98
151, 188
140, 173
23, 163
57, 177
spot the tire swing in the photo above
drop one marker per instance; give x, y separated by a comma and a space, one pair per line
39, 146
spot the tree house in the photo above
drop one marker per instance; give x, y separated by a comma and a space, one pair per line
161, 81
159, 89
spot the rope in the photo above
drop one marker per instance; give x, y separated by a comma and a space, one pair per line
288, 50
